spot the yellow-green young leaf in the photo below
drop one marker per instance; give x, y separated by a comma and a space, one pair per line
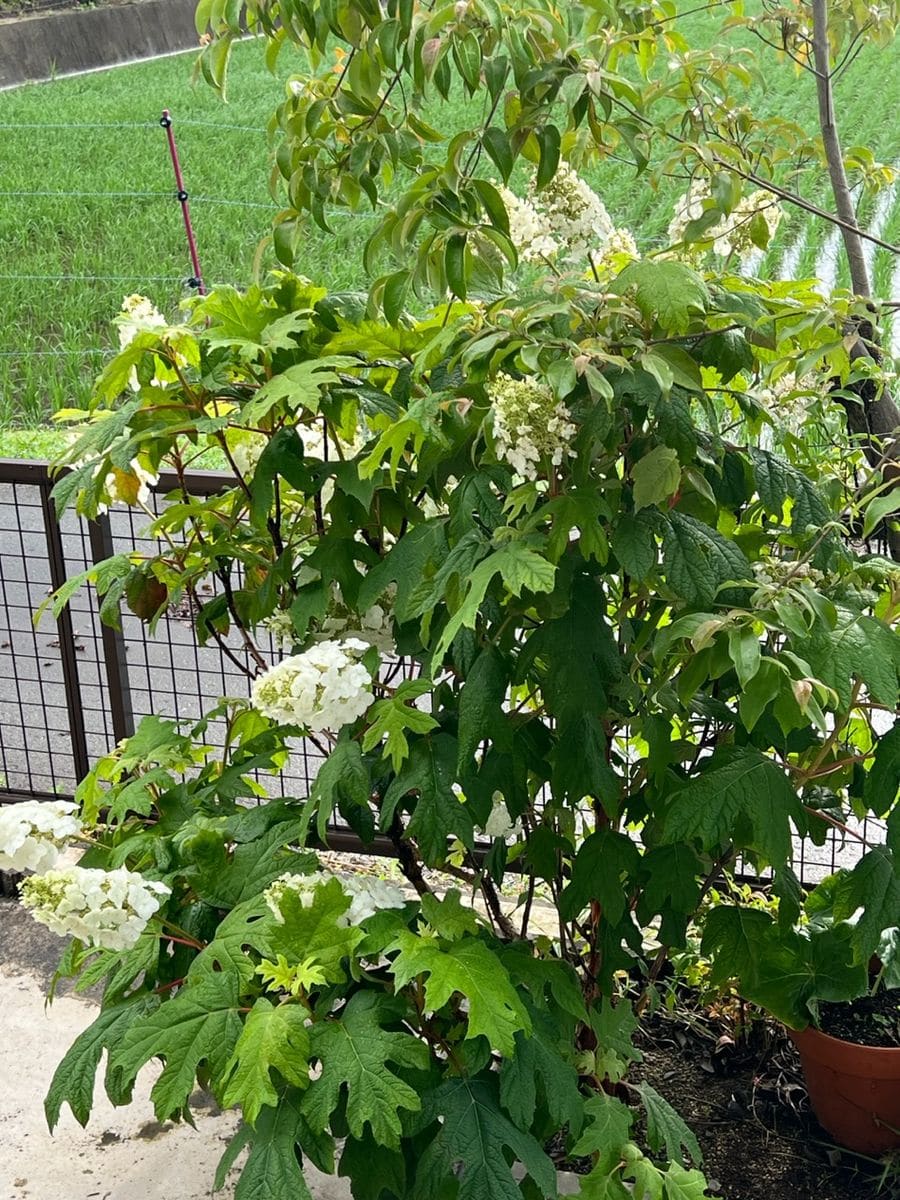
656, 477
391, 721
684, 1185
354, 1050
469, 967
274, 1038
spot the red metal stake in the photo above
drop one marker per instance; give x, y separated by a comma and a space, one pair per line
197, 281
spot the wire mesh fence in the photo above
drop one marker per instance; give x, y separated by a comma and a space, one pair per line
74, 686
71, 687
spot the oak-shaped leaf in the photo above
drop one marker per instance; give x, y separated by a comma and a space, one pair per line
430, 772
476, 1143
354, 1050
540, 1070
472, 969
274, 1038
200, 1025
274, 1168
609, 1127
73, 1079
741, 797
666, 1129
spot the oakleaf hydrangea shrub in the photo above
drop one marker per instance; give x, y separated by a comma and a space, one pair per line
625, 637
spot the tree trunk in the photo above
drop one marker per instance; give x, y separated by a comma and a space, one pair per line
875, 419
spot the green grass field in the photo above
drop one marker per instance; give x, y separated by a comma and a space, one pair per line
67, 258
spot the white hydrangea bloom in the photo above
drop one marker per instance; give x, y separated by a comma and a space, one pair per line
530, 425
138, 314
730, 235
576, 214
500, 824
281, 628
567, 221
615, 253
367, 893
375, 627
325, 687
529, 229
788, 398
33, 833
109, 909
246, 448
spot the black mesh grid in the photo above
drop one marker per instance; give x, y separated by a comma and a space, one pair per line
69, 688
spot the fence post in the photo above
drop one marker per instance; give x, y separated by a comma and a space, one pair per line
57, 561
114, 660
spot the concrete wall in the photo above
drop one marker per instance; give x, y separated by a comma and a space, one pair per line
33, 48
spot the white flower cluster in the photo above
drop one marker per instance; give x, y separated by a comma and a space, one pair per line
281, 628
788, 398
530, 426
568, 221
500, 824
130, 486
576, 213
368, 894
776, 572
109, 909
138, 314
325, 687
528, 229
33, 833
731, 235
375, 626
616, 253
245, 447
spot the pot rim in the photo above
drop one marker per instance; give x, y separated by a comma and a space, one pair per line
851, 1058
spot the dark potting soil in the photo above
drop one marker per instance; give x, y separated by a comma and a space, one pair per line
748, 1106
869, 1021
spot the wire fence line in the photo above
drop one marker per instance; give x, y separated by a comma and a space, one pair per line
149, 125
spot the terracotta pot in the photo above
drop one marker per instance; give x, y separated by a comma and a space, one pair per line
854, 1090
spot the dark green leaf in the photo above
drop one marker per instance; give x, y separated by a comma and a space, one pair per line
742, 796
471, 1145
